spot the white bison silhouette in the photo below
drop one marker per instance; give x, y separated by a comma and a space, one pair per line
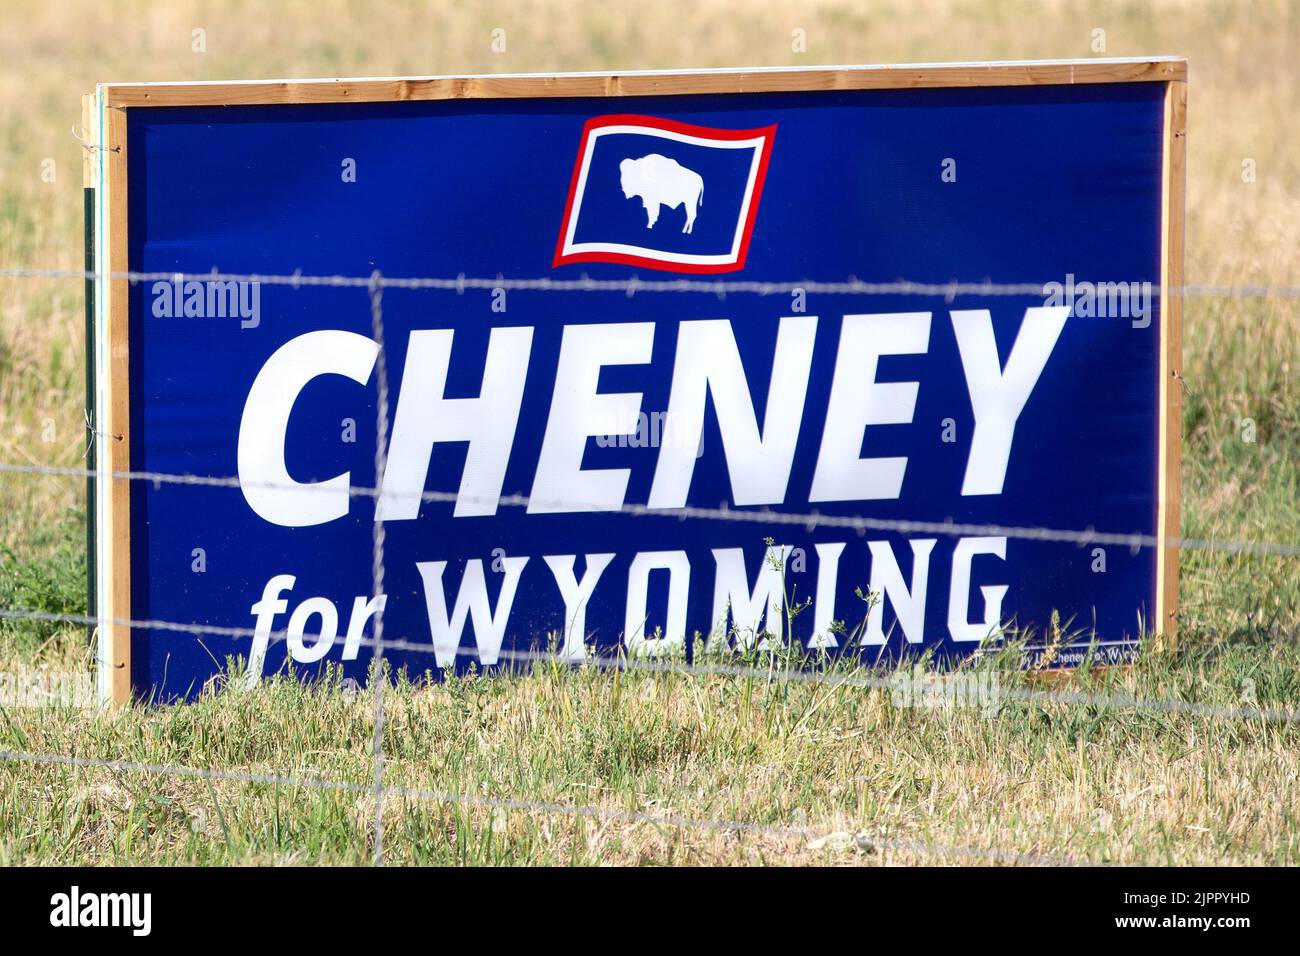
661, 181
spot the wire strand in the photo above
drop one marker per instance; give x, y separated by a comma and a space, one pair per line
783, 673
677, 821
720, 287
807, 520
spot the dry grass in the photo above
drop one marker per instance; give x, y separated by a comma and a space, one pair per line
1058, 783
1066, 782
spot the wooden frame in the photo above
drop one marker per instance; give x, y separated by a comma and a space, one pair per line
107, 126
1173, 206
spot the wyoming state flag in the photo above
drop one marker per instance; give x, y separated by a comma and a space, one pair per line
665, 195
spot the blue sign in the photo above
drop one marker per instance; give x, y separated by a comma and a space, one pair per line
562, 434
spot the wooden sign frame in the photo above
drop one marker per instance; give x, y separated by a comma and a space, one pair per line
106, 111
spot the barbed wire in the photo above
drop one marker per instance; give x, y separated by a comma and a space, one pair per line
462, 283
780, 672
377, 555
810, 521
677, 821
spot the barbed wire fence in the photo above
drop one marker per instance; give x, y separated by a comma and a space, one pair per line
379, 789
719, 287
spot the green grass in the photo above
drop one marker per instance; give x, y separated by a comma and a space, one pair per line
1064, 781
1241, 369
52, 581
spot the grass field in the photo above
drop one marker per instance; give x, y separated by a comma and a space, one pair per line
1063, 782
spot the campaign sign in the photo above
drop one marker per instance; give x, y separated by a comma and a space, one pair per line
605, 471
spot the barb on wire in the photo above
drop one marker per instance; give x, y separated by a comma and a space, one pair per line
783, 673
81, 136
810, 521
674, 820
721, 287
377, 558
